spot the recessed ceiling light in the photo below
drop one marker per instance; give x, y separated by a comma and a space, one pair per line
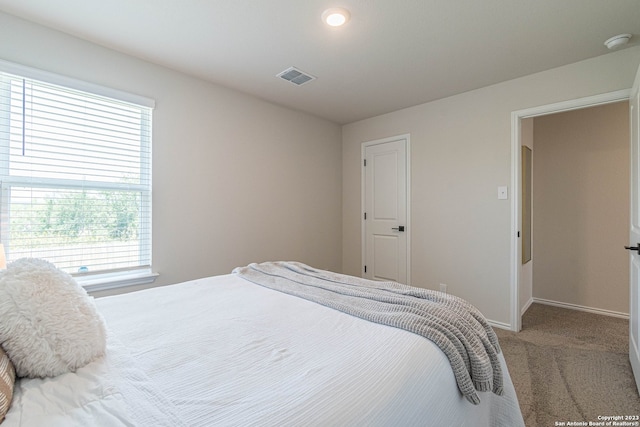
617, 41
336, 16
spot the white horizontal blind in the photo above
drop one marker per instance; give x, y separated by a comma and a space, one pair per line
75, 169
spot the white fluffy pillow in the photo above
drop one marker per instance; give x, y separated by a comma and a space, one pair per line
48, 323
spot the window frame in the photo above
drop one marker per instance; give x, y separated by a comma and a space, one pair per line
93, 281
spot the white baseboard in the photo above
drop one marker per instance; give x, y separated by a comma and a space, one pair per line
500, 325
581, 308
526, 307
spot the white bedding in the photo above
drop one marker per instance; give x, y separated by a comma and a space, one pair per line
223, 351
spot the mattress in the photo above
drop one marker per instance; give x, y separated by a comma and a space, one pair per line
223, 351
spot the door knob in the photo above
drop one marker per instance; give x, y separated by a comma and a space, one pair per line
401, 228
633, 248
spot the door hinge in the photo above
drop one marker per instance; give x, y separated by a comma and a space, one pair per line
518, 234
365, 216
365, 163
365, 268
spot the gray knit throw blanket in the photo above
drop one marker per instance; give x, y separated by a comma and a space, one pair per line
453, 324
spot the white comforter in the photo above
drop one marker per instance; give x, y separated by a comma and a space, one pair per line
223, 351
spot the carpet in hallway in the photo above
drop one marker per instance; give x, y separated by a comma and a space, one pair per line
570, 365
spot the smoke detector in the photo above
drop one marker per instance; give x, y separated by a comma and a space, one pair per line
295, 76
617, 41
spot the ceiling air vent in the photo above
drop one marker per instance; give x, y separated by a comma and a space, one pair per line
296, 76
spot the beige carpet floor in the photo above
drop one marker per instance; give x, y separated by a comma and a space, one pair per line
570, 366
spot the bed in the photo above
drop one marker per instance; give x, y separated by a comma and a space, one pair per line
226, 351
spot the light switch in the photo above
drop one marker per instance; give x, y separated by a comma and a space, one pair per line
503, 193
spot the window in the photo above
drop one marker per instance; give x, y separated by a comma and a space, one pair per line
75, 173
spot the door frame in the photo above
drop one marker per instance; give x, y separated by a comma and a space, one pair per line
407, 138
516, 170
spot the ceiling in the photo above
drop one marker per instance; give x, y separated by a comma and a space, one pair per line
391, 55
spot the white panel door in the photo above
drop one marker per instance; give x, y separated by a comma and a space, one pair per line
634, 233
385, 210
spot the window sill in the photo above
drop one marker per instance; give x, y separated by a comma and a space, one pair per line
108, 281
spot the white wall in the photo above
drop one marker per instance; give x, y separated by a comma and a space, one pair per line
235, 179
461, 232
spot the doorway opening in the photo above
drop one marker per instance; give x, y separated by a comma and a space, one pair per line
520, 289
